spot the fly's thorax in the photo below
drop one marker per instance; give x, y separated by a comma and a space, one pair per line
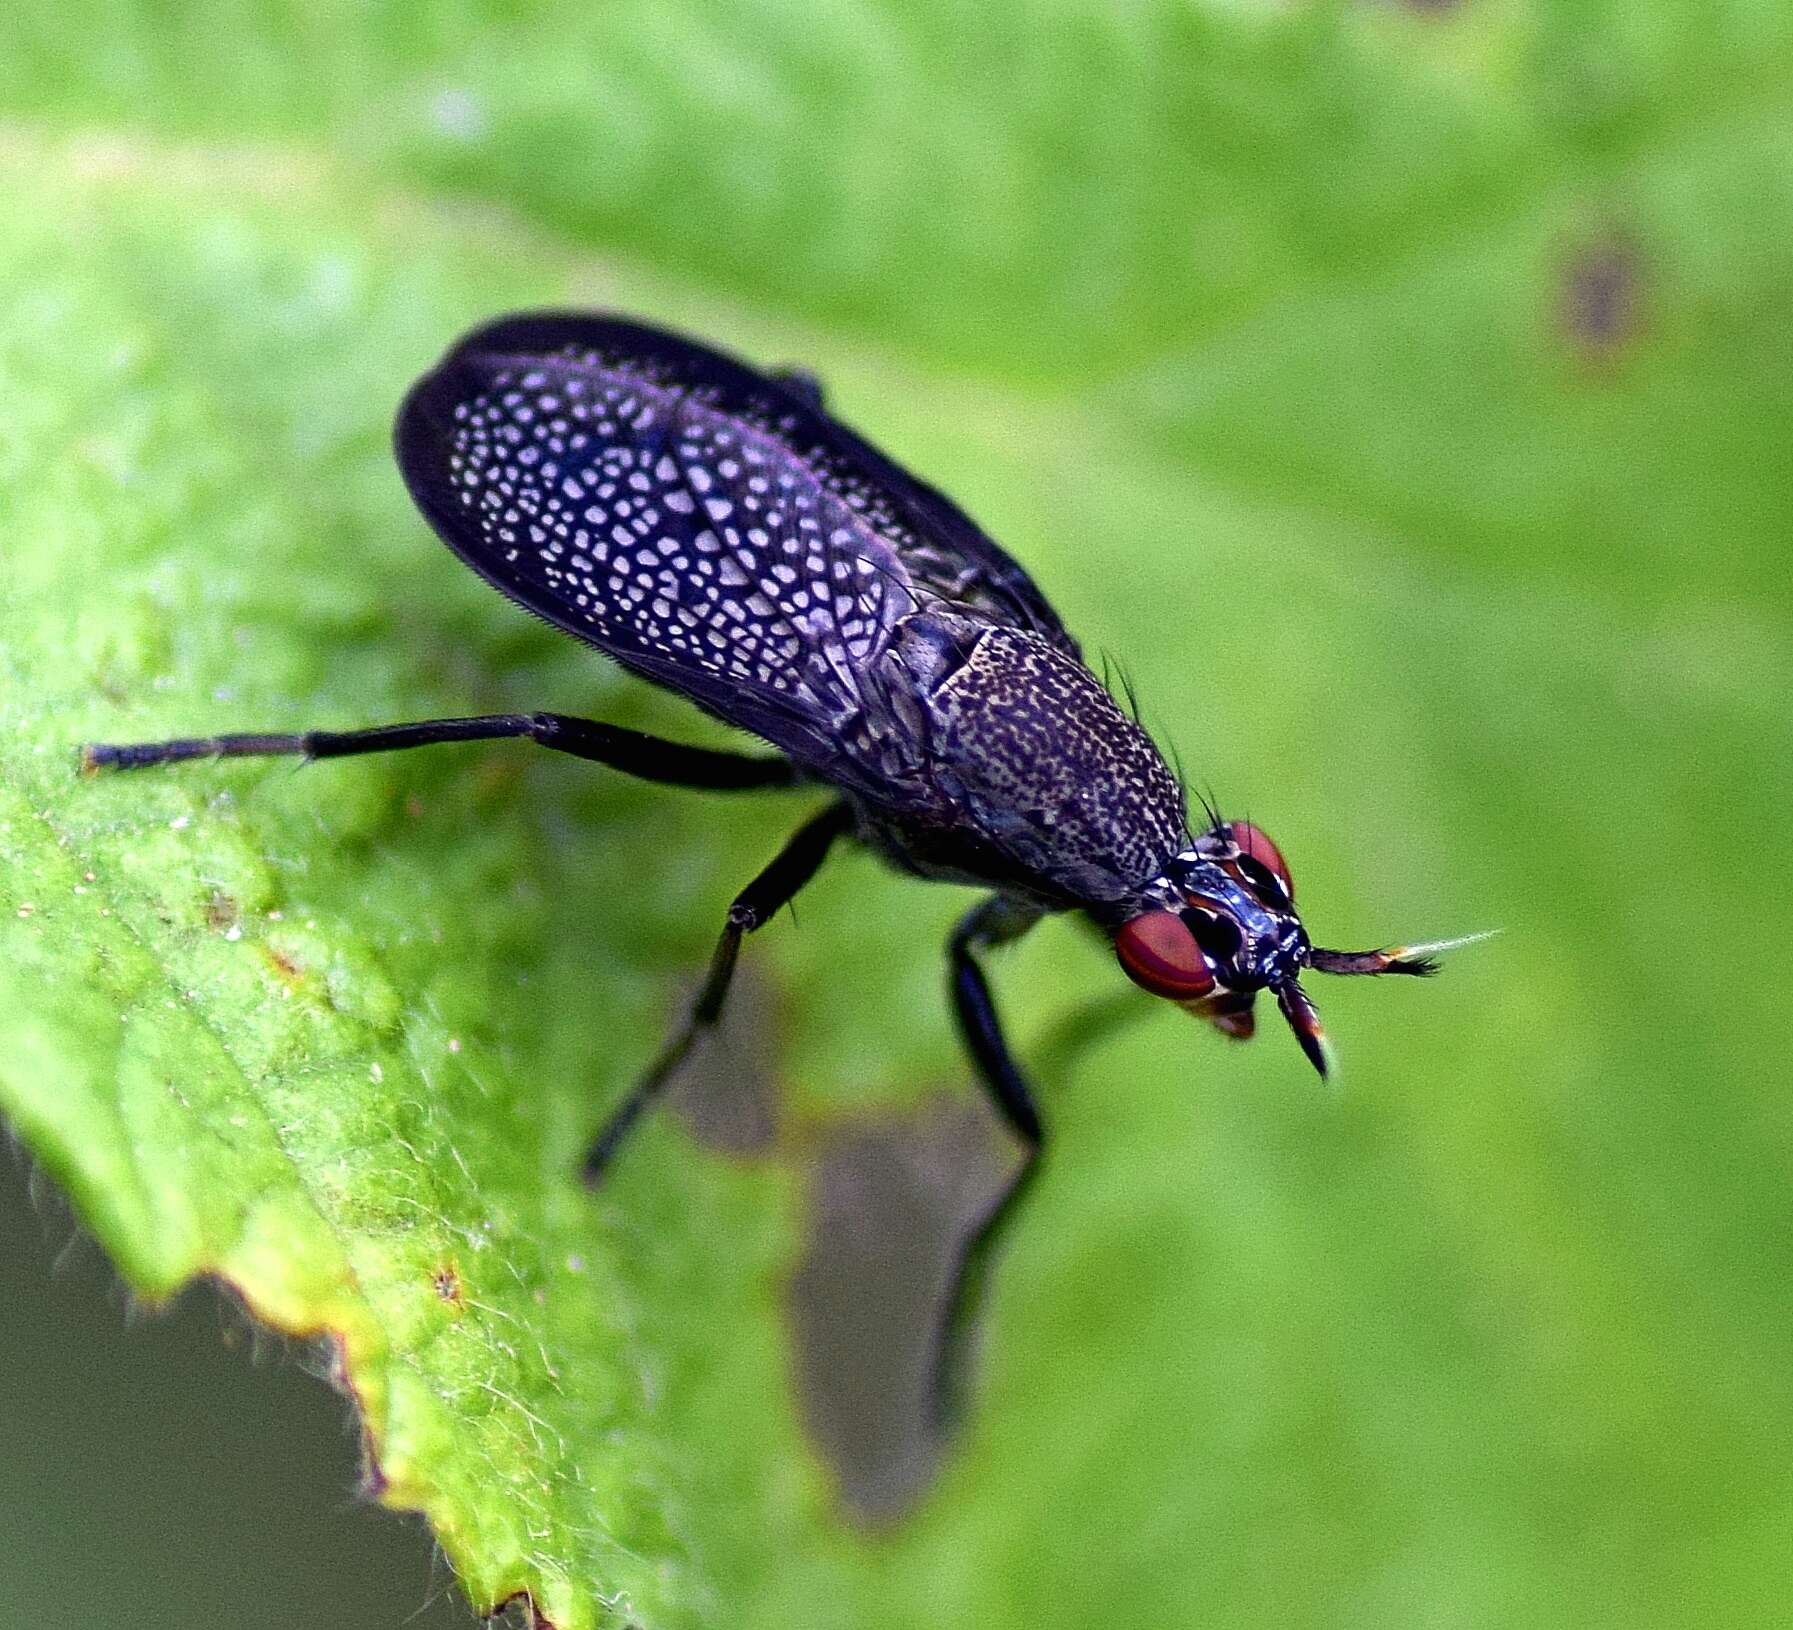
1034, 753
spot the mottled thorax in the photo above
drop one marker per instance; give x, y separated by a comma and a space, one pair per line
1044, 764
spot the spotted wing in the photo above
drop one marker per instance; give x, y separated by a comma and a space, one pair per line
947, 554
654, 498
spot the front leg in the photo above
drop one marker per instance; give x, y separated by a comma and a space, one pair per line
995, 921
791, 868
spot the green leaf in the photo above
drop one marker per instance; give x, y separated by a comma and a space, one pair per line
1399, 391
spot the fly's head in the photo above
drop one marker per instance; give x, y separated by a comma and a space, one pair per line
1220, 925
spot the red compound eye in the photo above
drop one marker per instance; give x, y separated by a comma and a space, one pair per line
1158, 953
1254, 841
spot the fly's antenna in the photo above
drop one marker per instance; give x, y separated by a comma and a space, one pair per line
1410, 959
1440, 947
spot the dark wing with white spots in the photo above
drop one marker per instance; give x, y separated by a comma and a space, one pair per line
669, 506
947, 554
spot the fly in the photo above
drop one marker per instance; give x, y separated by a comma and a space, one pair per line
716, 531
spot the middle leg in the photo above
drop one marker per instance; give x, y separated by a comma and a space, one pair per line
755, 905
992, 923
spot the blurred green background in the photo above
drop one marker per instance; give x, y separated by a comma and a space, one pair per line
1400, 390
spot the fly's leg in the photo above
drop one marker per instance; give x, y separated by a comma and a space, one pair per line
755, 905
626, 750
992, 923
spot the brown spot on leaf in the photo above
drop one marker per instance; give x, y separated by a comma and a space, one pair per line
890, 1201
283, 965
1600, 297
221, 912
446, 1278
